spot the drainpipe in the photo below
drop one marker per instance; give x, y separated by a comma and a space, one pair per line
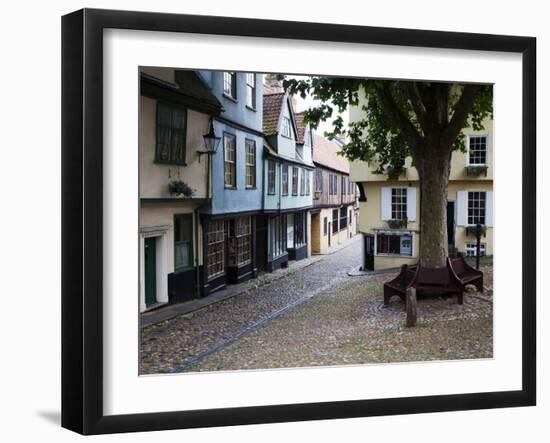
197, 267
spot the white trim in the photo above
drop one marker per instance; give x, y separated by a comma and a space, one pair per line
161, 245
397, 233
385, 203
411, 203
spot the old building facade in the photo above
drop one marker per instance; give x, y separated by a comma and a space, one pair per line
287, 197
176, 108
334, 217
390, 210
198, 209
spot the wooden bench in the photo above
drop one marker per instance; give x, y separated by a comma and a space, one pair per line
465, 273
443, 281
440, 281
398, 286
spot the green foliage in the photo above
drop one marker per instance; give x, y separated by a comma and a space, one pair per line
399, 119
476, 170
179, 187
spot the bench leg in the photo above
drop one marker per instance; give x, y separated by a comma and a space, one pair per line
479, 285
460, 298
387, 297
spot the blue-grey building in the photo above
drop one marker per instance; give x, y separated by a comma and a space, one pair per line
287, 184
229, 220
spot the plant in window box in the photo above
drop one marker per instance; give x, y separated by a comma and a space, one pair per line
472, 229
475, 170
397, 223
317, 195
179, 187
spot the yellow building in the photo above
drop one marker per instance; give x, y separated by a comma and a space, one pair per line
334, 217
390, 210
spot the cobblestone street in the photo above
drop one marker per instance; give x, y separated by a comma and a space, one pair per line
316, 316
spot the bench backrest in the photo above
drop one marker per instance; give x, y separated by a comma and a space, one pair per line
458, 266
433, 276
406, 275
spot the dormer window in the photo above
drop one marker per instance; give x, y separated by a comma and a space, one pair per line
230, 84
285, 128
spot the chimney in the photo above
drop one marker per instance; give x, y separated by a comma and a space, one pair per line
272, 85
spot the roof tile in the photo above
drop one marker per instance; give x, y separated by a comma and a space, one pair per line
325, 153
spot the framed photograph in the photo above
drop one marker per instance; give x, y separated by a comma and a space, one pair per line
269, 221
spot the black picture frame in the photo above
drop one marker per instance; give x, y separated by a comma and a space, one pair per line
82, 131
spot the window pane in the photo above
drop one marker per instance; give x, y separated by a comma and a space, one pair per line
478, 150
285, 179
183, 241
229, 163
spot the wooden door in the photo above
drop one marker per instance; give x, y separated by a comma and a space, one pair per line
150, 271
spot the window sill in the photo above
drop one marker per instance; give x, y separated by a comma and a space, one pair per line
229, 97
250, 188
230, 187
251, 109
180, 270
168, 163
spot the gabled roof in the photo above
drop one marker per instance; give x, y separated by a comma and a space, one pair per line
273, 104
325, 153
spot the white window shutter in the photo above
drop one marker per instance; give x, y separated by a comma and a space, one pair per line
462, 208
385, 209
489, 209
411, 204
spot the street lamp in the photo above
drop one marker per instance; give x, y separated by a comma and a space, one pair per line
211, 142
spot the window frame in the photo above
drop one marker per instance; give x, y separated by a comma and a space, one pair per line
335, 221
284, 179
249, 142
284, 120
295, 178
232, 92
251, 90
217, 243
189, 217
236, 240
393, 234
271, 175
343, 220
478, 208
473, 247
319, 180
227, 135
172, 107
403, 208
468, 152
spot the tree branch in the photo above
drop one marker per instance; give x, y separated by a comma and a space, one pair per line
462, 110
418, 106
399, 119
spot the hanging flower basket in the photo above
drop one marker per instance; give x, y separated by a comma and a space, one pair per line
178, 187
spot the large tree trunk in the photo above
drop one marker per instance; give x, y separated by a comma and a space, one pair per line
434, 181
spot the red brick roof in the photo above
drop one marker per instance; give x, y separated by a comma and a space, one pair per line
325, 153
273, 104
